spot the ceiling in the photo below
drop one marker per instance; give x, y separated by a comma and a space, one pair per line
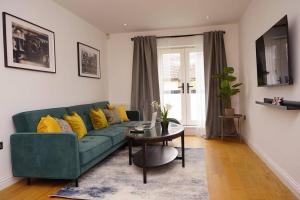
142, 15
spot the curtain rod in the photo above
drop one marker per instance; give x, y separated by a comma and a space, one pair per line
175, 36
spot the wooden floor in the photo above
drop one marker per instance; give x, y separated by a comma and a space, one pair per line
234, 172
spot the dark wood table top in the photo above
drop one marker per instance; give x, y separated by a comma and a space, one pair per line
156, 134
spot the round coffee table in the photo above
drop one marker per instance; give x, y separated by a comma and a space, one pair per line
155, 156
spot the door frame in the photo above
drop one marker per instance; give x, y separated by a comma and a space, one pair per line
184, 78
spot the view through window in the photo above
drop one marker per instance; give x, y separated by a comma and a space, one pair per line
181, 72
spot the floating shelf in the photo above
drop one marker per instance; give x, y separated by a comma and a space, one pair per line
286, 105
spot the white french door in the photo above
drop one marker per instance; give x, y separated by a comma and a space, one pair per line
181, 72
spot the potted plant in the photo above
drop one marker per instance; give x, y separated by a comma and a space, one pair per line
164, 111
227, 88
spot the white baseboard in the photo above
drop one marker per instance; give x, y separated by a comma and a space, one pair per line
276, 169
8, 181
193, 130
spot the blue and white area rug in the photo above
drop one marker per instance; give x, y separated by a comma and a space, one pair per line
114, 179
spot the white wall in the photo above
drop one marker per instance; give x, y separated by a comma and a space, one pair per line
120, 53
23, 90
273, 134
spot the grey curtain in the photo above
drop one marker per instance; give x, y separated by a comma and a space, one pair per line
214, 63
145, 82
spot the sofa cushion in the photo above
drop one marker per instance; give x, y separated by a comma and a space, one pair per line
98, 118
116, 133
92, 146
48, 124
122, 112
64, 125
112, 116
83, 111
133, 115
28, 121
77, 124
129, 124
101, 104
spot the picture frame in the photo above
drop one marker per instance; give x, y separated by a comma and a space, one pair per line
27, 45
88, 61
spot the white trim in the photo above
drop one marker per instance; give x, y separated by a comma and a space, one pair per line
184, 77
276, 169
7, 181
194, 130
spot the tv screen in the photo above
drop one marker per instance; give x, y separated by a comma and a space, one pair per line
272, 56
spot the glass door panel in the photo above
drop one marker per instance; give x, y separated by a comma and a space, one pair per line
195, 88
171, 87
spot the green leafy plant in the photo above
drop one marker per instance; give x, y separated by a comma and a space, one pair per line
164, 110
227, 87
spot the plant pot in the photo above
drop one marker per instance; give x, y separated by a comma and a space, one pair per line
164, 126
229, 112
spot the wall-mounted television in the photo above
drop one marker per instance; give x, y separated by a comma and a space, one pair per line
272, 56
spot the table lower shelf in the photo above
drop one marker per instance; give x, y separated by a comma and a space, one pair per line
155, 156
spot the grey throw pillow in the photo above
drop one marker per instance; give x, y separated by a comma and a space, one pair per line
64, 125
112, 116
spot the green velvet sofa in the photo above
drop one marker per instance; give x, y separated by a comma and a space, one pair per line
62, 155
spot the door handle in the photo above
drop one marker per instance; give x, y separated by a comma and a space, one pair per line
188, 87
182, 87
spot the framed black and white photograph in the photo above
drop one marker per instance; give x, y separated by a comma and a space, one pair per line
88, 61
27, 45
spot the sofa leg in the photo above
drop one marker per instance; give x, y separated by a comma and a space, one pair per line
76, 182
28, 181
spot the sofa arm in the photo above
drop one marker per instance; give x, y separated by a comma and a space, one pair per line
45, 155
133, 115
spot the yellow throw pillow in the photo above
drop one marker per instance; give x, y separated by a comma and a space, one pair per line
48, 125
98, 118
122, 113
109, 106
77, 124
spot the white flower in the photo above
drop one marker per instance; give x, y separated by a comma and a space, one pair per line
163, 109
168, 106
155, 105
